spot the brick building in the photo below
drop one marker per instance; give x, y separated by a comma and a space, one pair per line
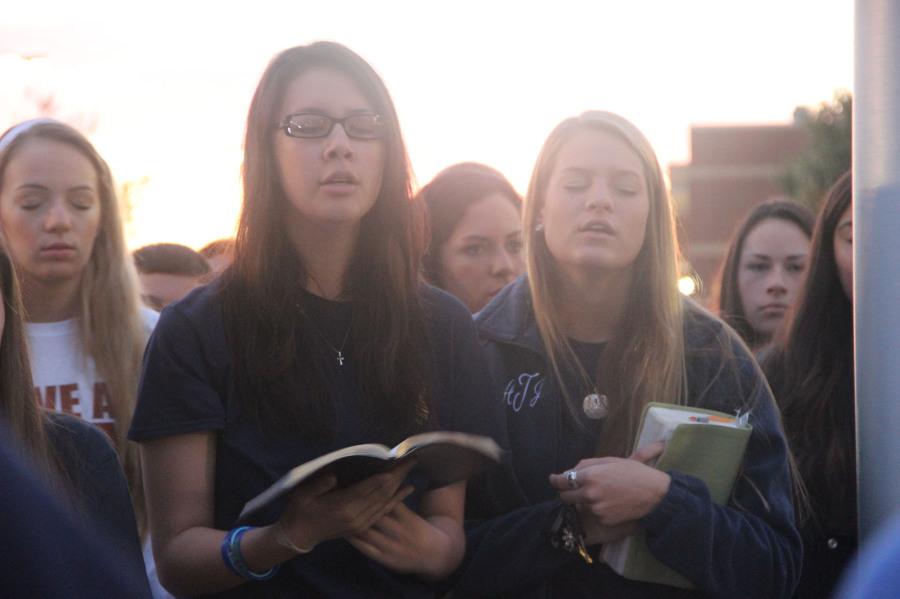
732, 169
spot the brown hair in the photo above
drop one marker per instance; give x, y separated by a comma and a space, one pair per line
811, 363
110, 325
262, 290
17, 402
170, 259
217, 248
447, 198
727, 296
644, 360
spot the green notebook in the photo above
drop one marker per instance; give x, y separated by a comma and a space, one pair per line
702, 443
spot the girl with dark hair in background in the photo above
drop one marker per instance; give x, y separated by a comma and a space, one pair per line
810, 369
763, 270
75, 459
577, 349
319, 336
475, 245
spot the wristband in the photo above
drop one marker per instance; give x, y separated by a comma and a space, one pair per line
285, 541
234, 560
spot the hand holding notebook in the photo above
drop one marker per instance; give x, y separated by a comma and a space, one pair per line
615, 491
702, 443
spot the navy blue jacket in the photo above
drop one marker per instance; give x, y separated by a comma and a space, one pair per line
749, 548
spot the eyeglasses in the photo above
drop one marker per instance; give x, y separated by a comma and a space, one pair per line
310, 125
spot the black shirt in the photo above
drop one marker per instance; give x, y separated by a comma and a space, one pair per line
188, 385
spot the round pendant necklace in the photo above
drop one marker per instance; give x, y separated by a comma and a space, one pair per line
595, 405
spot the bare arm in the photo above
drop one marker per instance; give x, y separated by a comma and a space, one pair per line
179, 477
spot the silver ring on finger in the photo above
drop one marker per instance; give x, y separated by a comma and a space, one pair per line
572, 478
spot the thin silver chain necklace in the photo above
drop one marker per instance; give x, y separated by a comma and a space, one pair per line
337, 350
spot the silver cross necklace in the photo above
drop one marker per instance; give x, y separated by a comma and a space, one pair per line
338, 350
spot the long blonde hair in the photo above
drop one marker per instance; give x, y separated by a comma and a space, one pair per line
644, 360
110, 325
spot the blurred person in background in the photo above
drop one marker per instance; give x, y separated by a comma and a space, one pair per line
763, 270
168, 271
875, 572
219, 254
44, 550
70, 457
475, 246
86, 327
810, 369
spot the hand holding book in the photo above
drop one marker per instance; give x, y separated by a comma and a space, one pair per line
442, 457
318, 510
701, 443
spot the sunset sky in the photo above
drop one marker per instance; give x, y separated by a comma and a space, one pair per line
163, 87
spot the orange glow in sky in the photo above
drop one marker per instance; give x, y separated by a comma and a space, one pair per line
163, 87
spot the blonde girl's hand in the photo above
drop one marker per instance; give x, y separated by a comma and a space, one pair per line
317, 511
615, 490
598, 534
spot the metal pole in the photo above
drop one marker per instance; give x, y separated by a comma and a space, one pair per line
876, 238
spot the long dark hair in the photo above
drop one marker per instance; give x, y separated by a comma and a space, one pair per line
810, 368
728, 295
448, 196
17, 402
18, 407
262, 292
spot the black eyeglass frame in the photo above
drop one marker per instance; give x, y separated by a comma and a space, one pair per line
286, 126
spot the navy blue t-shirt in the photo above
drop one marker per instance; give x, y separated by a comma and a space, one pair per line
96, 488
188, 385
45, 551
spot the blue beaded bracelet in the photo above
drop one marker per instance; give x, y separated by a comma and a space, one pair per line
234, 560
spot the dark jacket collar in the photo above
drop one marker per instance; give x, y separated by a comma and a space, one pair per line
509, 318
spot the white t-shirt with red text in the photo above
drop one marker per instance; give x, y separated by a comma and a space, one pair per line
65, 379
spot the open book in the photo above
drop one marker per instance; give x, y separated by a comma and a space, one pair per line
444, 457
702, 443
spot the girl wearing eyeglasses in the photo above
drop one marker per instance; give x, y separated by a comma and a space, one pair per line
577, 348
319, 336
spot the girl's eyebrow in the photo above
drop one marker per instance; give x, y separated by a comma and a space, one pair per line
578, 170
323, 112
45, 188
